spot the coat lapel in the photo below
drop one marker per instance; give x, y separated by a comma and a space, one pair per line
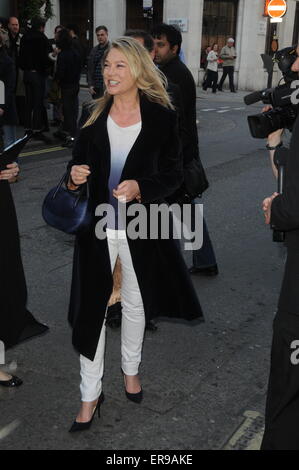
144, 139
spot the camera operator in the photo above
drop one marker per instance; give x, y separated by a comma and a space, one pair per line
282, 212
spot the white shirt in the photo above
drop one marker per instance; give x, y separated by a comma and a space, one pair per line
121, 140
212, 55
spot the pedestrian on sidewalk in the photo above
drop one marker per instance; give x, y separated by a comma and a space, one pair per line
94, 68
34, 61
68, 73
212, 69
17, 324
128, 149
8, 118
13, 45
228, 55
54, 93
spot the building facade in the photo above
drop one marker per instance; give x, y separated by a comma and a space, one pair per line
203, 22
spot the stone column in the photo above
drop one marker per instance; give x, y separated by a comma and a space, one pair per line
111, 13
193, 11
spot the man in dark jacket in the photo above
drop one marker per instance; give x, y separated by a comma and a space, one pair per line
168, 41
282, 211
94, 70
14, 41
34, 61
8, 115
68, 71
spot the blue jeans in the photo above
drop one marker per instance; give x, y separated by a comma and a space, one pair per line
9, 136
205, 256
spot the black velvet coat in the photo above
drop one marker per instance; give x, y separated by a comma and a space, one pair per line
16, 322
155, 161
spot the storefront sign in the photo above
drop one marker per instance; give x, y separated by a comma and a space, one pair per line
182, 23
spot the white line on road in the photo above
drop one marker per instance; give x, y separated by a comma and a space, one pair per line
4, 432
212, 109
223, 111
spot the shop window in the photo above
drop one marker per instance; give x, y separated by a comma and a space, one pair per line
139, 18
219, 22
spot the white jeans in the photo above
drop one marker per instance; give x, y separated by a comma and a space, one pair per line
132, 327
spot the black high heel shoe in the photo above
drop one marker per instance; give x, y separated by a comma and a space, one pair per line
134, 397
13, 382
84, 426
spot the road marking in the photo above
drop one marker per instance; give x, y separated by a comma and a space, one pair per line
249, 434
212, 109
236, 109
6, 430
38, 152
223, 111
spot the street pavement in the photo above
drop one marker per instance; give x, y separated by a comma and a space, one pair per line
204, 385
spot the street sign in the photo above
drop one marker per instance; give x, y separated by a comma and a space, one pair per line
277, 8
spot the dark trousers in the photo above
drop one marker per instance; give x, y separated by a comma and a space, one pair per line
282, 407
211, 81
70, 109
205, 256
228, 70
35, 89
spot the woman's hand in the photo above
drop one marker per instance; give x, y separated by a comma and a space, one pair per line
11, 172
267, 204
127, 191
78, 175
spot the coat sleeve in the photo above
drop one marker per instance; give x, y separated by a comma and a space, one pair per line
80, 150
169, 176
285, 207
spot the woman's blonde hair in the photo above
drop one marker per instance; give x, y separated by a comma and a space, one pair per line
150, 81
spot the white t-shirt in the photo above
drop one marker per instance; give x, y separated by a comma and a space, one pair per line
212, 55
121, 140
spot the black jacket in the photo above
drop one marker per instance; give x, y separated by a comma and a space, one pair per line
16, 322
179, 74
34, 52
68, 68
285, 207
155, 162
8, 77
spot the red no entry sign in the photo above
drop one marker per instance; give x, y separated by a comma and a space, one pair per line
277, 8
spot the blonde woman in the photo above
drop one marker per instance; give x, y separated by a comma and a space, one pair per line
128, 149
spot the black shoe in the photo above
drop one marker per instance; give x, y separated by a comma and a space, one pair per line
69, 142
60, 134
113, 318
42, 137
233, 91
151, 325
84, 426
13, 382
208, 271
134, 397
219, 88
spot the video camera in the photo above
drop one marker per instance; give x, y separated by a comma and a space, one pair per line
284, 112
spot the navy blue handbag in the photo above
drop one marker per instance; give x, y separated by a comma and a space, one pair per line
68, 211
